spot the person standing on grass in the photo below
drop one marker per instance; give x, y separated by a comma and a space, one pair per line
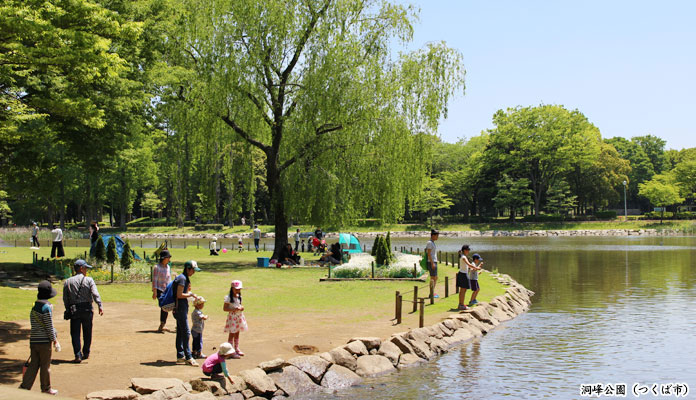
43, 334
57, 249
78, 294
236, 322
297, 240
93, 237
181, 308
35, 236
473, 278
463, 276
161, 276
257, 237
431, 250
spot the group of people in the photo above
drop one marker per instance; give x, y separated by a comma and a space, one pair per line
181, 287
57, 250
467, 276
79, 294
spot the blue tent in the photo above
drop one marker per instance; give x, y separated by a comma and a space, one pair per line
349, 242
119, 245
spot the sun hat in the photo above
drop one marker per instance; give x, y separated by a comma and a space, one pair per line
477, 257
434, 232
199, 300
237, 284
191, 264
46, 291
165, 254
214, 239
226, 349
79, 263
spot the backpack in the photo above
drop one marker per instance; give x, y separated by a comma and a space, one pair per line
424, 261
167, 301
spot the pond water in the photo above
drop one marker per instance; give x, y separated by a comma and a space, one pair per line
614, 310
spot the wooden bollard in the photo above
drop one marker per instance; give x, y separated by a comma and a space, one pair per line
85, 256
156, 244
421, 312
399, 305
415, 270
184, 244
396, 305
432, 293
411, 249
141, 243
264, 246
373, 269
150, 273
415, 298
329, 270
446, 286
112, 273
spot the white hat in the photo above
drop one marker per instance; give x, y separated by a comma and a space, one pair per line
237, 284
226, 349
214, 239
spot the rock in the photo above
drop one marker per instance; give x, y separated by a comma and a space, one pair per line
171, 393
373, 352
409, 360
238, 384
197, 396
314, 366
459, 336
150, 385
338, 377
278, 393
326, 356
481, 313
343, 358
112, 395
391, 351
247, 393
445, 330
257, 380
369, 342
209, 385
420, 334
450, 324
233, 396
438, 346
475, 325
293, 381
358, 348
402, 344
273, 365
497, 312
421, 349
374, 365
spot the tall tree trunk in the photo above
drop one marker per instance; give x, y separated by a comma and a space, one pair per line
61, 210
277, 202
122, 203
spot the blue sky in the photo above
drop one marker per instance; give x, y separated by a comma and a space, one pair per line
627, 65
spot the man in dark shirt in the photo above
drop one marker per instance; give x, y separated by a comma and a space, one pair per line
318, 233
182, 289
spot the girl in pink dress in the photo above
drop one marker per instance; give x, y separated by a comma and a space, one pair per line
235, 318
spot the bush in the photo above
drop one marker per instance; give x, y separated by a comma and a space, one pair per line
350, 273
127, 257
543, 218
111, 254
373, 251
100, 250
658, 215
208, 227
605, 214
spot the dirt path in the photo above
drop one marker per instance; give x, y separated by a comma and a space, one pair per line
125, 344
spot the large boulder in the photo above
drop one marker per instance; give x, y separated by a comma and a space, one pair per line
403, 344
150, 385
445, 329
338, 377
374, 365
112, 395
421, 349
344, 358
459, 336
497, 312
357, 347
391, 351
452, 324
273, 365
326, 356
369, 342
216, 387
197, 396
409, 360
314, 366
293, 381
257, 380
481, 313
423, 334
438, 346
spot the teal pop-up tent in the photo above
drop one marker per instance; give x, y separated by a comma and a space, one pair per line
119, 245
349, 243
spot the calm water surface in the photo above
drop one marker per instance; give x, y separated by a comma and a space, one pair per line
606, 310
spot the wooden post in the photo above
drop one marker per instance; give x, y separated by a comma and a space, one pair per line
421, 304
396, 305
415, 270
141, 243
112, 273
373, 269
264, 246
184, 244
156, 244
248, 246
411, 249
415, 298
151, 273
446, 286
399, 305
329, 270
85, 256
439, 255
432, 292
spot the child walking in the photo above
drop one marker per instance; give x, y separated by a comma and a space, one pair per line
240, 245
463, 276
473, 278
236, 322
197, 324
215, 364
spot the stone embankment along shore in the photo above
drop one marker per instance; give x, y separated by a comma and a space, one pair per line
424, 234
343, 366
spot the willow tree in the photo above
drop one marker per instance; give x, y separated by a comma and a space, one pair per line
316, 86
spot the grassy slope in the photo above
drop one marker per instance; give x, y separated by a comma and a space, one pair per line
267, 290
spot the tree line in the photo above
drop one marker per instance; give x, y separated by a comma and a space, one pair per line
279, 111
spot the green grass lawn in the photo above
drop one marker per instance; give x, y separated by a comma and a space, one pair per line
267, 291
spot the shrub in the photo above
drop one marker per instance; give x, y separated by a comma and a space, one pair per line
373, 252
111, 254
543, 218
208, 227
350, 273
388, 242
100, 250
127, 256
605, 214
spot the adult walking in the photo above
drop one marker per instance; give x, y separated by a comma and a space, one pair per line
257, 237
182, 289
93, 237
35, 236
161, 276
431, 249
43, 334
78, 294
57, 249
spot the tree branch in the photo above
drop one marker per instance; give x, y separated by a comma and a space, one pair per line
241, 132
309, 146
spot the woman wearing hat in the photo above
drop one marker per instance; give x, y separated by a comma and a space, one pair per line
161, 276
42, 336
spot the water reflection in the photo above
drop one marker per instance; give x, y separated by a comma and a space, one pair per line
599, 316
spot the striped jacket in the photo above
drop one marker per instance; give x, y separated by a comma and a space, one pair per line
41, 317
